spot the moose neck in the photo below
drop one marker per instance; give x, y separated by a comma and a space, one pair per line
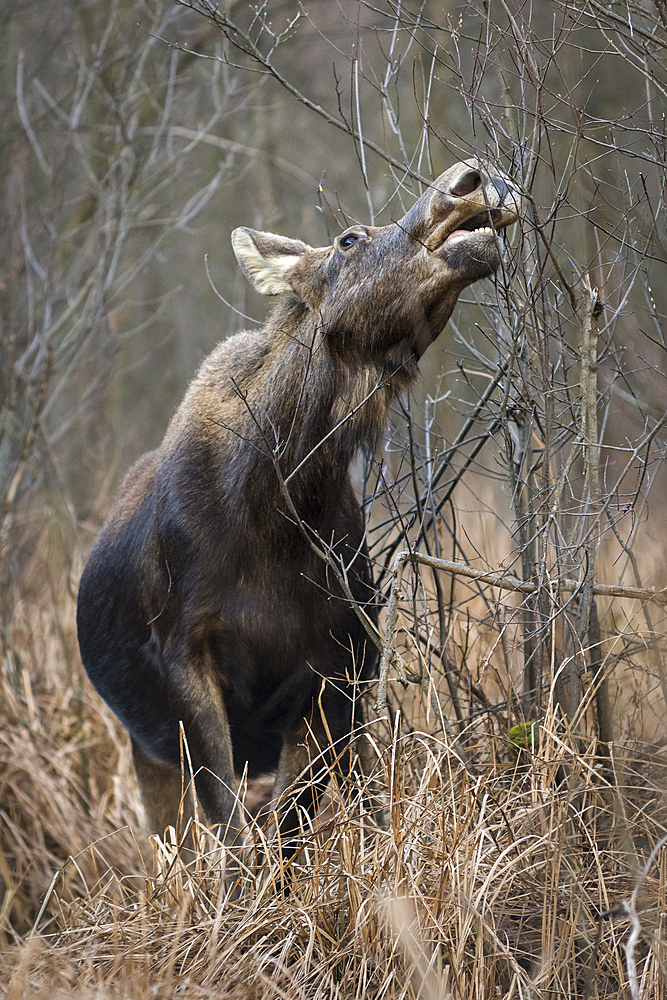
325, 402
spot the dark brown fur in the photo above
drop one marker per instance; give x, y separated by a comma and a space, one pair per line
201, 602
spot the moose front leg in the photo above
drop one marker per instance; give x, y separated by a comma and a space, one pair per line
188, 692
304, 768
210, 747
307, 761
311, 752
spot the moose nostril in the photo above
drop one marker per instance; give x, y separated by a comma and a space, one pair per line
466, 183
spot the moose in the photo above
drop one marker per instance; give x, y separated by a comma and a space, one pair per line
203, 608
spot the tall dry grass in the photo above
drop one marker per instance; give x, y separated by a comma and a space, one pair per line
523, 880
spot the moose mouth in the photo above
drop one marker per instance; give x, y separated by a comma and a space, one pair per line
485, 223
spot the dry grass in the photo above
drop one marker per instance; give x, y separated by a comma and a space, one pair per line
514, 883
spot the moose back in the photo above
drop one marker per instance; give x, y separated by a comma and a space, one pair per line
202, 603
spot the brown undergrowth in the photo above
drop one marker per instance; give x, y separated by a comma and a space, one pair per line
527, 878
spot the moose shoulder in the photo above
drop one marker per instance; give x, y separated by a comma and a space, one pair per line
202, 603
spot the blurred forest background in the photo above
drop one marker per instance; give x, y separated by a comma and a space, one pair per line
136, 135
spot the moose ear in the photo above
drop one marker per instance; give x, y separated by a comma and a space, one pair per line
266, 260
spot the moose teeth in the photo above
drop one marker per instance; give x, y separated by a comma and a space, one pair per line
460, 234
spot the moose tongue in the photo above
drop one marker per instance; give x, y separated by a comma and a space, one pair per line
457, 233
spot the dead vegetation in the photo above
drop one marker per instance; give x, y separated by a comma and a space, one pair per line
523, 879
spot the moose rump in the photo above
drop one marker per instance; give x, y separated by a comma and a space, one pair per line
203, 602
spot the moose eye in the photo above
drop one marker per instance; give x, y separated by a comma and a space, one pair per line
349, 240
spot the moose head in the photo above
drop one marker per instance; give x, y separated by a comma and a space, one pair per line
381, 288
